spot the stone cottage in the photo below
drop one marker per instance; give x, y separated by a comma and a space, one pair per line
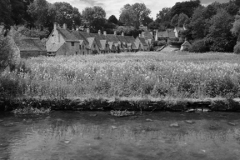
31, 47
62, 42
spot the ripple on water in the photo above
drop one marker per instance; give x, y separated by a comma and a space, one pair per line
64, 136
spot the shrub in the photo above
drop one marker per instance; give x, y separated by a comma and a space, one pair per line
199, 46
175, 43
4, 54
237, 48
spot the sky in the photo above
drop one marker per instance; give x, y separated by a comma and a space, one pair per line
113, 7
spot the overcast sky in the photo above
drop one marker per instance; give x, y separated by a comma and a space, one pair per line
112, 7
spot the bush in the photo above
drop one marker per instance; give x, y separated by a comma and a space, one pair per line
237, 48
4, 52
175, 43
159, 43
199, 46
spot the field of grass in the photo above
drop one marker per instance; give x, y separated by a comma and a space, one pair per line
143, 74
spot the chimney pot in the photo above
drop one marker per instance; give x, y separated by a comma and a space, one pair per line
104, 33
55, 25
122, 33
64, 26
88, 30
99, 32
115, 33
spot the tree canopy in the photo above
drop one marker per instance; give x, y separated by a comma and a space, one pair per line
134, 15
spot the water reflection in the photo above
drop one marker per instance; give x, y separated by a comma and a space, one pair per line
79, 136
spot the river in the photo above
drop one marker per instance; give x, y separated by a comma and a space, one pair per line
100, 136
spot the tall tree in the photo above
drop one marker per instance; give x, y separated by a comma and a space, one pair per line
182, 19
198, 24
219, 32
94, 17
5, 12
65, 13
91, 13
113, 19
38, 11
186, 7
174, 21
134, 14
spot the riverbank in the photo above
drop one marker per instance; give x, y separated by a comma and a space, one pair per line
133, 81
131, 104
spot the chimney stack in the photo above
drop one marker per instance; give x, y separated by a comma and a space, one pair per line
99, 32
139, 35
64, 26
104, 33
122, 33
55, 25
88, 30
143, 34
115, 33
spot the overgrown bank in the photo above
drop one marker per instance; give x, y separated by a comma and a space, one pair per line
161, 76
134, 104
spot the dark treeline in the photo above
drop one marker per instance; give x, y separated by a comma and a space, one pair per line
210, 28
215, 27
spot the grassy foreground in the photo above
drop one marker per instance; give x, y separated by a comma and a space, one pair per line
143, 75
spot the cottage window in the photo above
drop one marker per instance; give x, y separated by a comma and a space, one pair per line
83, 47
80, 47
94, 46
72, 43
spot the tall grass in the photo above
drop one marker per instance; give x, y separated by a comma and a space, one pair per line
126, 75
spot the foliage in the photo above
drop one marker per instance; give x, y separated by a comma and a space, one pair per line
186, 7
197, 24
174, 21
175, 43
134, 14
65, 13
182, 19
199, 46
163, 19
94, 17
155, 75
237, 48
128, 31
220, 35
236, 25
113, 19
5, 12
38, 10
4, 56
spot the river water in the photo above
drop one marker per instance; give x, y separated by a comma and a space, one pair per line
100, 136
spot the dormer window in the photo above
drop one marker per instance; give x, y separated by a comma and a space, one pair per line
72, 43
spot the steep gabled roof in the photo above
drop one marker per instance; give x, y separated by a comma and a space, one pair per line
142, 40
90, 41
112, 38
67, 35
98, 39
169, 33
103, 44
122, 39
148, 35
30, 44
186, 43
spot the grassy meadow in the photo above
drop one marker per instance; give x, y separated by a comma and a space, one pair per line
142, 75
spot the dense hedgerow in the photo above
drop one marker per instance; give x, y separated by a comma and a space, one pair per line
237, 48
199, 46
119, 76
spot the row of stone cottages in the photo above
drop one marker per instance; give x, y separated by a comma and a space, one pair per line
73, 42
